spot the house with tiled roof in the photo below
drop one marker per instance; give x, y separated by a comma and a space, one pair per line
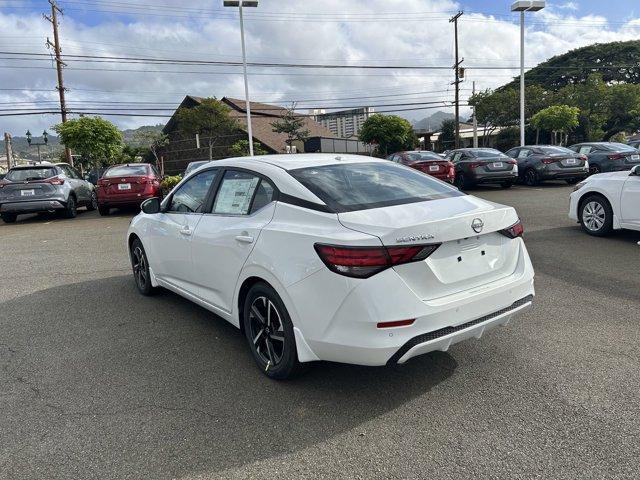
183, 149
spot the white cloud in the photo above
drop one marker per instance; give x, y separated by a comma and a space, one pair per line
375, 31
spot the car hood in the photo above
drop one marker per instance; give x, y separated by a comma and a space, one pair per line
624, 173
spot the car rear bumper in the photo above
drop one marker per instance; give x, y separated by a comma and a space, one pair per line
351, 334
32, 206
496, 178
128, 200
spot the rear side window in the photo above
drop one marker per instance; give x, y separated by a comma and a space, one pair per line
487, 152
30, 174
360, 186
241, 193
127, 171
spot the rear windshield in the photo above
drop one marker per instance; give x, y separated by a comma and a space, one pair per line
359, 186
617, 147
127, 171
552, 150
489, 152
27, 174
424, 156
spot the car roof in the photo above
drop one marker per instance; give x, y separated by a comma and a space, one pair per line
292, 161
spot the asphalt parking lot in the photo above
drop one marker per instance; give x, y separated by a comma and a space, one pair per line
97, 381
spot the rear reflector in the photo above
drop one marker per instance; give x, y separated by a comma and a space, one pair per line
363, 262
398, 323
514, 231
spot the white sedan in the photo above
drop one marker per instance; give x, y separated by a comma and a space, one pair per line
607, 201
342, 258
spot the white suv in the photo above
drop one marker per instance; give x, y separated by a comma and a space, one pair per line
607, 201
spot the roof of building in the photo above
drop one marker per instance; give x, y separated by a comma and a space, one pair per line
262, 116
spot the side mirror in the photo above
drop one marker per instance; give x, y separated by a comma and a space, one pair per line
151, 206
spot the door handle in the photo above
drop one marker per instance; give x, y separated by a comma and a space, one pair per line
245, 238
185, 231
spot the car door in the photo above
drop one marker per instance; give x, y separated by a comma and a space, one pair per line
630, 200
83, 185
170, 232
76, 183
225, 237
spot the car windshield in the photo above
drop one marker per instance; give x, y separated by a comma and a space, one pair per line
127, 171
359, 186
617, 147
32, 173
552, 150
487, 152
418, 156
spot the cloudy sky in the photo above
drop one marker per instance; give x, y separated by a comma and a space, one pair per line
388, 33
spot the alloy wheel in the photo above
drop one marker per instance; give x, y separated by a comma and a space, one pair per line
267, 331
140, 267
593, 216
531, 177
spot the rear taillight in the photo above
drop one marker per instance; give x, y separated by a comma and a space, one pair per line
547, 161
616, 156
3, 182
514, 231
512, 162
363, 262
583, 158
477, 164
55, 181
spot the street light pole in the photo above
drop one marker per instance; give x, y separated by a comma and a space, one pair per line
524, 6
240, 4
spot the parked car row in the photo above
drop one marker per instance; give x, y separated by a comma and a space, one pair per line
58, 187
531, 164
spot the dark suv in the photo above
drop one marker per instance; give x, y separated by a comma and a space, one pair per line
44, 187
537, 163
608, 156
475, 166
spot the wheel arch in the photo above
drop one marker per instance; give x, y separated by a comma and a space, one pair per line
591, 193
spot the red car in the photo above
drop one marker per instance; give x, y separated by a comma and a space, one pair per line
127, 186
427, 162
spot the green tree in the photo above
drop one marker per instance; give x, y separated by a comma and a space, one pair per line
447, 134
241, 149
211, 120
96, 140
390, 132
624, 110
292, 125
556, 119
591, 97
152, 140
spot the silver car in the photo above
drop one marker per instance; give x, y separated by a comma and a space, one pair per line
44, 187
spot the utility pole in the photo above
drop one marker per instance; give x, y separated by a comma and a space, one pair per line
59, 64
8, 149
456, 67
475, 120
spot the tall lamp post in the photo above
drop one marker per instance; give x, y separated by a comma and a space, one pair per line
240, 4
45, 137
524, 6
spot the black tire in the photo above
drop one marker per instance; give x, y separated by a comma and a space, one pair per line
72, 208
269, 333
461, 182
506, 185
596, 215
140, 267
103, 211
531, 177
594, 169
93, 202
9, 217
572, 181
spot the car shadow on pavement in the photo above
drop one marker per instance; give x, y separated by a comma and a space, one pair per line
100, 381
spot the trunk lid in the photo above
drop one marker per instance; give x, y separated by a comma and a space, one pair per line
124, 185
465, 259
29, 190
432, 167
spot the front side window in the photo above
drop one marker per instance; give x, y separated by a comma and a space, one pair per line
241, 193
191, 196
359, 186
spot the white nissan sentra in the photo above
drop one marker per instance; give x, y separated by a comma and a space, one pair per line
342, 258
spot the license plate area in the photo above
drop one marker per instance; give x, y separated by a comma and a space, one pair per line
27, 192
571, 161
635, 157
497, 164
434, 168
124, 186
